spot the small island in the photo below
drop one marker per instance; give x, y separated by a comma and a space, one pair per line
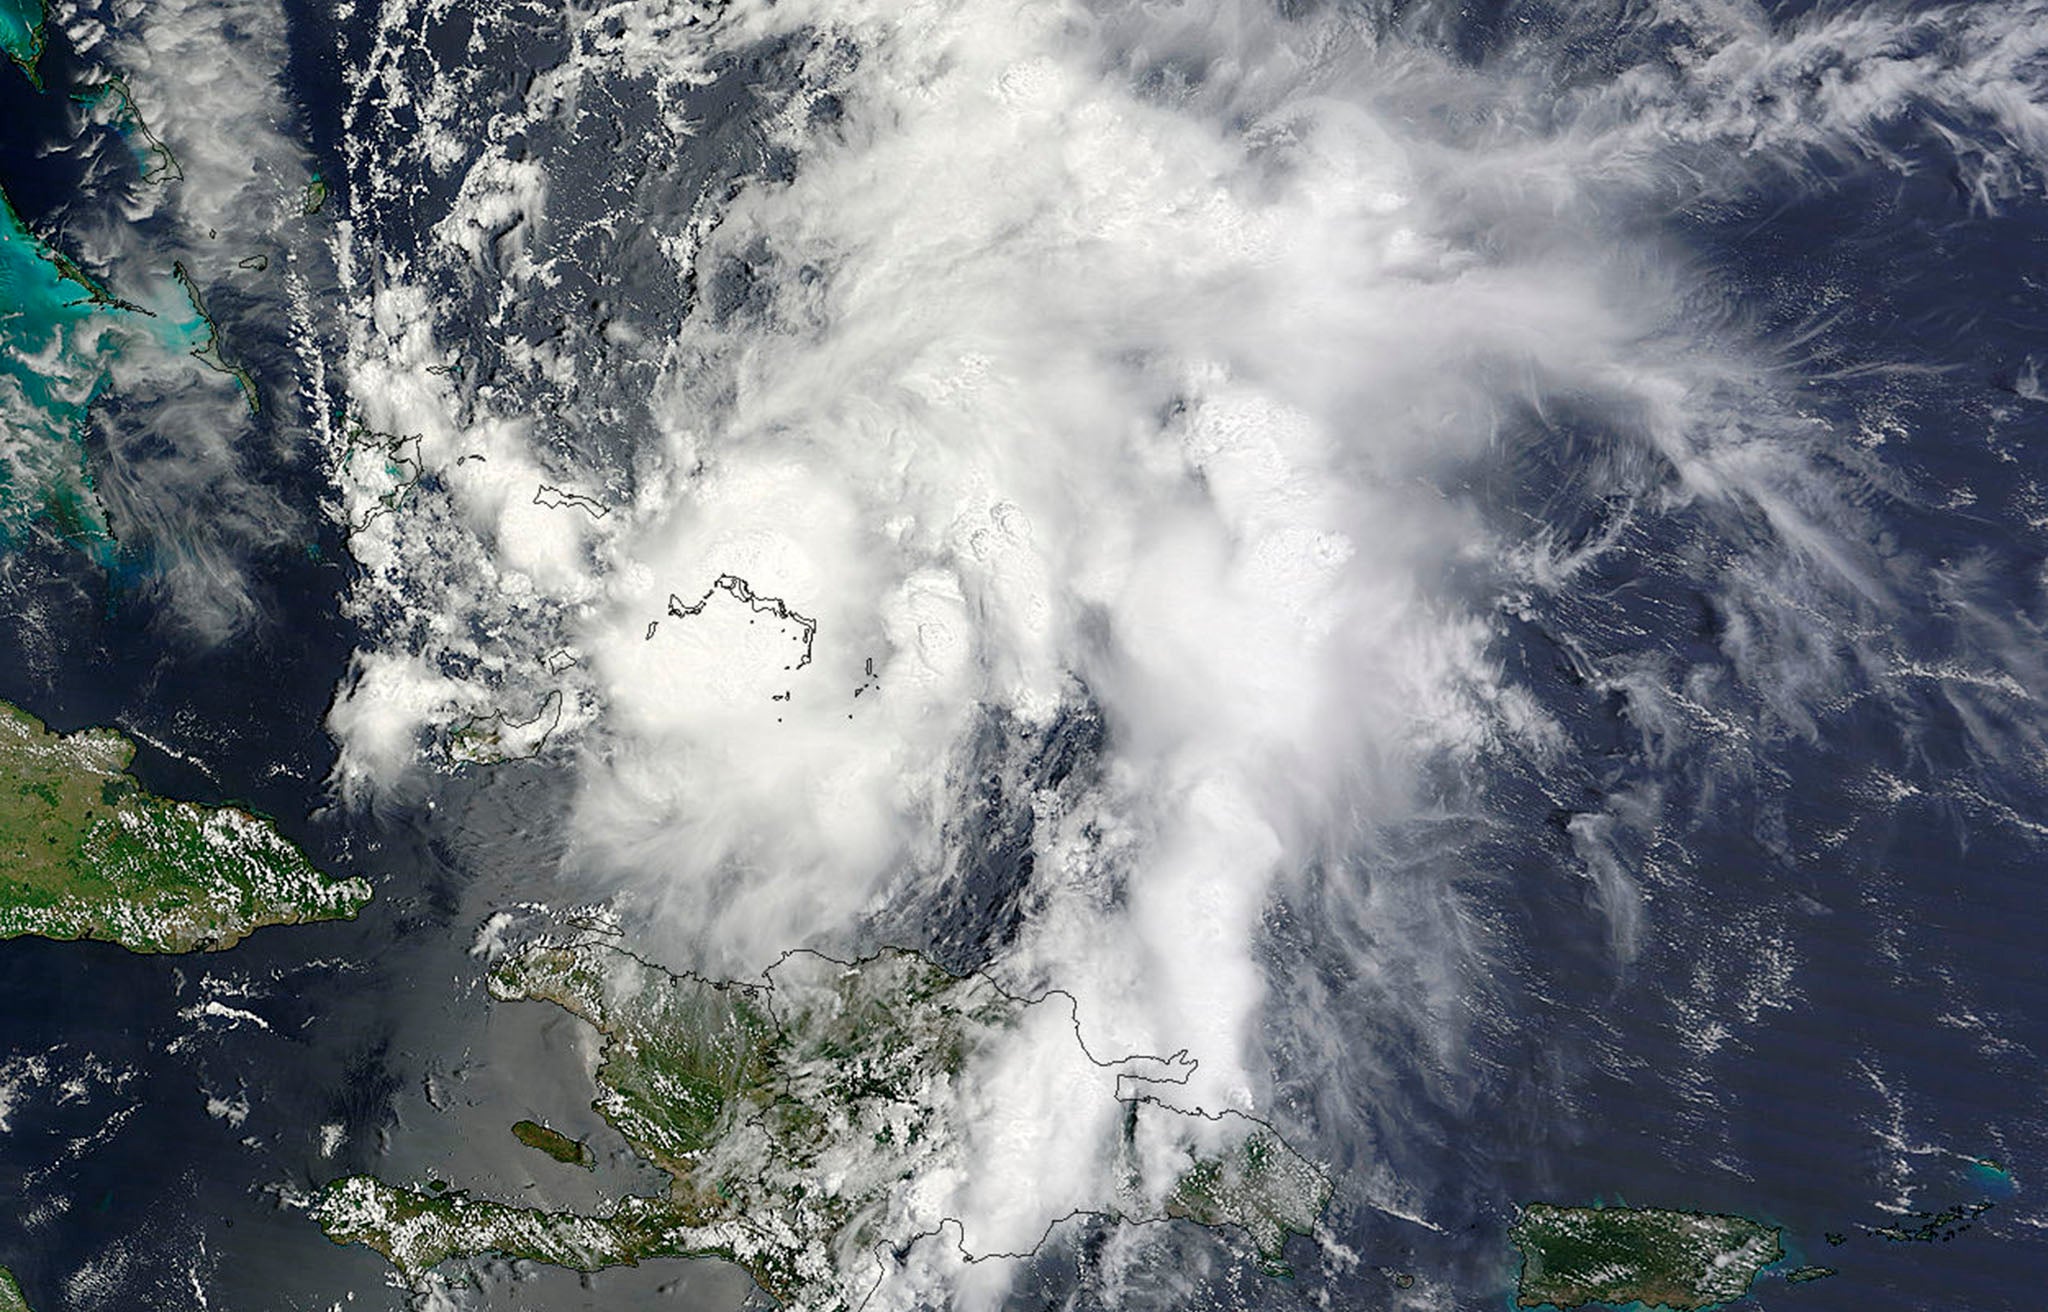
114, 103
1687, 1261
542, 1138
208, 352
810, 1124
87, 853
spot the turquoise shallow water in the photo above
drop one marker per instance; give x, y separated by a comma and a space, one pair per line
1995, 1181
57, 342
112, 103
61, 334
65, 338
21, 32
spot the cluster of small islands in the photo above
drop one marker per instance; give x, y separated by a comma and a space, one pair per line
786, 1114
790, 1115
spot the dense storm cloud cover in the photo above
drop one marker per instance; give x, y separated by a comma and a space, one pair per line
995, 369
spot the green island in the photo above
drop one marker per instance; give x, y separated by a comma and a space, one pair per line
11, 1298
63, 331
1572, 1256
380, 463
1926, 1227
1800, 1275
572, 1152
90, 855
495, 738
208, 351
113, 103
54, 346
22, 24
798, 1122
24, 246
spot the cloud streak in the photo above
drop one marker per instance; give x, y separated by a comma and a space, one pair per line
1067, 361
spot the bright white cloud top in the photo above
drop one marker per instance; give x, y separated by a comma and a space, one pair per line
1051, 361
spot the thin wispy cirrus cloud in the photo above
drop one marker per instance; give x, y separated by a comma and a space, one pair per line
188, 158
1066, 360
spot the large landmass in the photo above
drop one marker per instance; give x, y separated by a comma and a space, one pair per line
1573, 1256
808, 1124
11, 1299
87, 853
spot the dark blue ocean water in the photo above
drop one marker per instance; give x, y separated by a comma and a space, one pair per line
1836, 1019
166, 1190
1834, 1013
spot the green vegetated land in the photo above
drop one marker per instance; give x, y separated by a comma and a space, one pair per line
790, 1118
55, 340
208, 349
553, 1142
87, 853
64, 330
1572, 1256
11, 1299
21, 35
113, 102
